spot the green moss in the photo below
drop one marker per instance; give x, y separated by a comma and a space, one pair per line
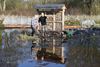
97, 22
25, 37
1, 25
72, 23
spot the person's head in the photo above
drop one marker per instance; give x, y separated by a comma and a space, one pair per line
42, 14
36, 16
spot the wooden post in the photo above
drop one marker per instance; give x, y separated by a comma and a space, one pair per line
62, 53
54, 20
54, 30
54, 46
63, 16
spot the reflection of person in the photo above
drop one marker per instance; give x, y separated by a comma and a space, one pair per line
42, 21
3, 40
34, 25
41, 54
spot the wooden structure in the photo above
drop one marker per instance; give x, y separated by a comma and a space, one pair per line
55, 15
55, 22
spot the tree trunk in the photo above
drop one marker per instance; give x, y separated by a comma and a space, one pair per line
0, 7
4, 5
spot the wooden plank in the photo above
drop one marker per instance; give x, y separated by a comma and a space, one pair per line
28, 26
71, 27
54, 22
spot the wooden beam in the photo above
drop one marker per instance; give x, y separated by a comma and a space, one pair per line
62, 54
63, 19
54, 20
54, 46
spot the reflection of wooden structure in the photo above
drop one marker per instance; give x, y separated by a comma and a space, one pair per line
52, 41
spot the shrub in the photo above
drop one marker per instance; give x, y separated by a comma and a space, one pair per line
71, 23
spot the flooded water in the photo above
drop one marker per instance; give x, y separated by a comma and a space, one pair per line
19, 49
16, 52
83, 49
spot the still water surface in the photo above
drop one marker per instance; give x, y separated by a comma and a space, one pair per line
17, 53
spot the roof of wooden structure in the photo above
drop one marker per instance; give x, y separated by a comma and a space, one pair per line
49, 7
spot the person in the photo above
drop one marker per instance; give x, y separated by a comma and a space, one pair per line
34, 25
42, 21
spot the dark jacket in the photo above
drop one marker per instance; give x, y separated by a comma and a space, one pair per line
42, 20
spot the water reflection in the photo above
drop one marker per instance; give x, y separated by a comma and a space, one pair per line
51, 47
22, 53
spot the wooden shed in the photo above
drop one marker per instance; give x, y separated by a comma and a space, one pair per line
55, 15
